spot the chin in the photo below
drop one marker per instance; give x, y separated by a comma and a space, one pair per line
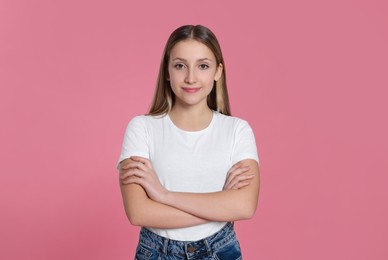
191, 102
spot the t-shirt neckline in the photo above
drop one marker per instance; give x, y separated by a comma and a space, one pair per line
193, 132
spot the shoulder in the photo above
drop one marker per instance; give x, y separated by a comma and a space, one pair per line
145, 119
145, 123
233, 122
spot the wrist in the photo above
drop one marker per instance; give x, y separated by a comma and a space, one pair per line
165, 197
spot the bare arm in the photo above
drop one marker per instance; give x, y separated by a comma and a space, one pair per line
142, 211
227, 205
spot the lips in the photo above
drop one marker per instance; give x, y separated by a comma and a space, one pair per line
191, 90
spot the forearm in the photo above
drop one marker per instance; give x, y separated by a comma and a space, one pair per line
218, 206
142, 211
227, 205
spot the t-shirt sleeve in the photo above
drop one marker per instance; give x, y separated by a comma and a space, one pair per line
135, 141
244, 143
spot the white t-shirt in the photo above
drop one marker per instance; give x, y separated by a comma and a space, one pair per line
190, 161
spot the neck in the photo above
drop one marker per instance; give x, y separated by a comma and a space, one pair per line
191, 118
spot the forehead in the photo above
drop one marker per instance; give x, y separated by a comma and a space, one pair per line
191, 50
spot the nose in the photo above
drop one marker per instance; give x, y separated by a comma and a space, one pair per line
190, 76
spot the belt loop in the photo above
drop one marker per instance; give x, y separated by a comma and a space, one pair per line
165, 245
209, 250
185, 248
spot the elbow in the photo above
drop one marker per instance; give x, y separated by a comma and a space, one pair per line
247, 212
133, 218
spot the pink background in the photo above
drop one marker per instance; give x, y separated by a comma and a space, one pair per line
309, 76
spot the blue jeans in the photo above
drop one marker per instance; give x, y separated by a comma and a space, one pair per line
222, 245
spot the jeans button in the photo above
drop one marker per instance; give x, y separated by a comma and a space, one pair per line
191, 249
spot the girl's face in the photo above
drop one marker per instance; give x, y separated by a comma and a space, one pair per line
192, 70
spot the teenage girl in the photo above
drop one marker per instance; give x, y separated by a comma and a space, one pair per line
188, 169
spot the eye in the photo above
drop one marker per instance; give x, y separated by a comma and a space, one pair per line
179, 66
203, 66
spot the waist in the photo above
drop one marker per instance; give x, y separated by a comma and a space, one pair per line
181, 248
190, 233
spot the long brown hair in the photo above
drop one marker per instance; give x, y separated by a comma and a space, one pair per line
164, 97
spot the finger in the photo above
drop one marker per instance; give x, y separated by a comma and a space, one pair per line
142, 160
240, 178
136, 164
237, 167
127, 168
234, 186
238, 164
125, 163
235, 173
133, 180
123, 173
132, 172
240, 185
234, 167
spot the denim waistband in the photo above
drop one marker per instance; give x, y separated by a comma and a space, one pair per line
188, 248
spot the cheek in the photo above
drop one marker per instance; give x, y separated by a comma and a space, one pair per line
176, 75
208, 80
174, 84
174, 81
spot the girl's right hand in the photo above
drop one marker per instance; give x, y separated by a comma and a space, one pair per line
140, 171
236, 179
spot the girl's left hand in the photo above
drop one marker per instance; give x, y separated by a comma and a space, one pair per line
236, 177
140, 171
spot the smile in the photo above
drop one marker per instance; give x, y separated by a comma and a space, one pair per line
191, 90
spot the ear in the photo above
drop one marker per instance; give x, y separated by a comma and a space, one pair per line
218, 74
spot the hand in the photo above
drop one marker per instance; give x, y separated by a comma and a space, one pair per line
139, 170
235, 178
124, 167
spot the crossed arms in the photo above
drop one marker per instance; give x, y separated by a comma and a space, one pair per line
148, 203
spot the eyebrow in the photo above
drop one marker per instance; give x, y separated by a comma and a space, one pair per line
181, 59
